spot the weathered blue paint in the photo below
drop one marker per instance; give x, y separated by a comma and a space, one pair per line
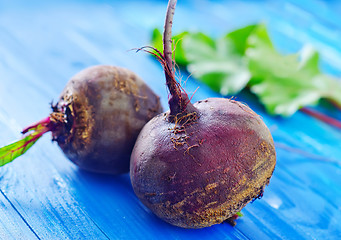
44, 196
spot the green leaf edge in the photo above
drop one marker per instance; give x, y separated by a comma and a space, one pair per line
14, 150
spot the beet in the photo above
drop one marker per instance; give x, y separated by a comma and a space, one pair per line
96, 120
199, 164
106, 108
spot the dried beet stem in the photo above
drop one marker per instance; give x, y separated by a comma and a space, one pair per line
167, 35
179, 102
167, 52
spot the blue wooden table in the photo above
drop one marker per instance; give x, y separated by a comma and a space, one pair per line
43, 43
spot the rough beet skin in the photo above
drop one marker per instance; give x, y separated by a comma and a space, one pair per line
105, 108
202, 171
199, 164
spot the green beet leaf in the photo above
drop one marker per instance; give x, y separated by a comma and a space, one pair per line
286, 83
246, 57
12, 151
216, 63
239, 38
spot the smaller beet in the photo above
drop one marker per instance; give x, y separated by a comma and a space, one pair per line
199, 164
96, 120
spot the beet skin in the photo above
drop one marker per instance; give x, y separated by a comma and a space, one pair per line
203, 167
105, 108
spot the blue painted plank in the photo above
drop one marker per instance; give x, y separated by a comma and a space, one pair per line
43, 44
12, 224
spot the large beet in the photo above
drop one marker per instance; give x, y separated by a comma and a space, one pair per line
199, 164
202, 171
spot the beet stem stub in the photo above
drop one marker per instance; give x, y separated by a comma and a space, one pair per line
167, 36
179, 102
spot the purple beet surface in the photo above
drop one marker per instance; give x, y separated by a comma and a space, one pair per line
199, 164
